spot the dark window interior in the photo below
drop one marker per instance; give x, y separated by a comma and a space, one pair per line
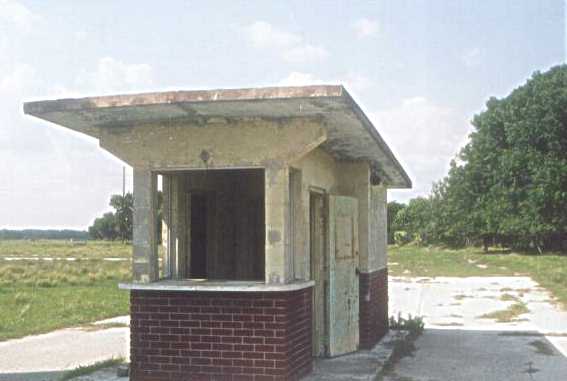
198, 266
226, 228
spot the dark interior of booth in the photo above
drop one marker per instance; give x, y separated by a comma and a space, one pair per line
225, 222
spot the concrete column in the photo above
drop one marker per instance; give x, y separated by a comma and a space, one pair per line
177, 233
378, 213
144, 259
355, 182
277, 218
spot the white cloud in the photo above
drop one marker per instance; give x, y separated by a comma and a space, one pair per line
292, 47
471, 57
15, 81
264, 35
356, 81
16, 14
305, 53
365, 27
351, 80
112, 75
425, 136
46, 167
297, 78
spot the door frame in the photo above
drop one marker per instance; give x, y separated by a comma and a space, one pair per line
320, 322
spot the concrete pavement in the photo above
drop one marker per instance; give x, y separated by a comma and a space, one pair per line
460, 344
44, 357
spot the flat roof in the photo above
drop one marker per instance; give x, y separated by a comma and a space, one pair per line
350, 134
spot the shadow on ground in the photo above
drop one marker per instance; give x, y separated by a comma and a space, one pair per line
31, 376
472, 355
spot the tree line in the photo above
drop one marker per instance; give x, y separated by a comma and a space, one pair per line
508, 185
118, 224
43, 234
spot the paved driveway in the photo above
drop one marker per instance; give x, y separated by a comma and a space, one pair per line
461, 344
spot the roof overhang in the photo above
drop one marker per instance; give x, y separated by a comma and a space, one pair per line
350, 134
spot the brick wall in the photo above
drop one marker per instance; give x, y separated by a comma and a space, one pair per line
373, 307
178, 335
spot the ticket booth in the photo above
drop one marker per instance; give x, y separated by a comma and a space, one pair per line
273, 226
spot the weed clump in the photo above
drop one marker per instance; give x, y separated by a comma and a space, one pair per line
413, 324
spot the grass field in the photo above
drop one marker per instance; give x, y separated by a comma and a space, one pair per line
550, 271
45, 285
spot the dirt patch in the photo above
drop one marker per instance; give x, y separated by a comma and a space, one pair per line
542, 347
508, 315
508, 298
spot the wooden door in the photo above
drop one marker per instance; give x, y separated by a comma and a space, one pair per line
318, 253
343, 275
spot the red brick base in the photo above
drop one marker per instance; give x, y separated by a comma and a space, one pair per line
182, 336
373, 307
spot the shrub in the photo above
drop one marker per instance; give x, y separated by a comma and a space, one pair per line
401, 237
413, 324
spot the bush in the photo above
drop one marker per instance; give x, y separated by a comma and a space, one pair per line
414, 325
401, 237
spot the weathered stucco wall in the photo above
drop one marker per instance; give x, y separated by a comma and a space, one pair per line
274, 147
242, 143
355, 182
144, 257
321, 171
378, 241
254, 142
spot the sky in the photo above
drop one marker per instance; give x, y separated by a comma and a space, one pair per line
420, 69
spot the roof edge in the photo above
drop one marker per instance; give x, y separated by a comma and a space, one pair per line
182, 96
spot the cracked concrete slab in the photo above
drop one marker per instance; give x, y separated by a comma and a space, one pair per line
458, 344
359, 366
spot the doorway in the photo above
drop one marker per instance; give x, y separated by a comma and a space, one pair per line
318, 249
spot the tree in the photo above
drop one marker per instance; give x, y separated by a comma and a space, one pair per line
119, 224
393, 209
123, 206
104, 227
510, 183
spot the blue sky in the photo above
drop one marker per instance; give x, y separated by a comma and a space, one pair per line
419, 69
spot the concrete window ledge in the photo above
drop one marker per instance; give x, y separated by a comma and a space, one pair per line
217, 286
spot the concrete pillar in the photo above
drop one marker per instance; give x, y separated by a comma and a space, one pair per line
144, 258
177, 229
378, 216
355, 182
276, 185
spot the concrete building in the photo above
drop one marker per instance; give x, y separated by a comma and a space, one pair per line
274, 226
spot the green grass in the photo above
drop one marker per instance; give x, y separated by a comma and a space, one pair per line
550, 271
39, 296
64, 249
84, 370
